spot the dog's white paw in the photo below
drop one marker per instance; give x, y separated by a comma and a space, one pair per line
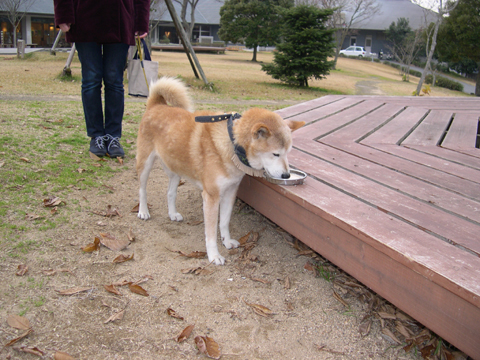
231, 244
143, 215
176, 217
217, 259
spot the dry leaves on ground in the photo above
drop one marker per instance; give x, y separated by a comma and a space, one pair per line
208, 347
184, 334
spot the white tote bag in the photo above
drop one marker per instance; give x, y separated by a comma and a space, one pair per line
138, 79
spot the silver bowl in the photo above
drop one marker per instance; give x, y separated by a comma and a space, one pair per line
296, 178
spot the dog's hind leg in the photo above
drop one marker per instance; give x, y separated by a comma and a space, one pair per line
174, 181
143, 212
226, 207
210, 217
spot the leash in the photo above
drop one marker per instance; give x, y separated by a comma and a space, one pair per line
240, 157
139, 51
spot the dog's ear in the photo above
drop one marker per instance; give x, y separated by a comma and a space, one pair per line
260, 131
294, 125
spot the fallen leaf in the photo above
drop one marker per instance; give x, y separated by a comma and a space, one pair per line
93, 246
131, 235
13, 341
365, 327
208, 346
402, 330
54, 210
115, 317
386, 315
260, 309
122, 258
122, 283
174, 314
52, 201
25, 159
184, 334
339, 298
34, 351
305, 253
308, 266
80, 170
112, 289
137, 289
18, 322
286, 285
244, 238
197, 271
195, 223
32, 217
112, 212
193, 254
137, 207
94, 157
144, 279
22, 269
120, 160
390, 335
74, 290
61, 355
112, 242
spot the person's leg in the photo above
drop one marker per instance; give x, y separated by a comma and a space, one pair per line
114, 59
90, 55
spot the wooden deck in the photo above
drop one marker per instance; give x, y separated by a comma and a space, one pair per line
392, 198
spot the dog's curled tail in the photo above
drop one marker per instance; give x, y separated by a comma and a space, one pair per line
169, 91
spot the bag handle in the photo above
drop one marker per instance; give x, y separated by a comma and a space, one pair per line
139, 52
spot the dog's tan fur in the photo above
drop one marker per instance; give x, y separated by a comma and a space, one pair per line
203, 154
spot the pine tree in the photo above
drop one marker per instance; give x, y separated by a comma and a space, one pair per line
306, 47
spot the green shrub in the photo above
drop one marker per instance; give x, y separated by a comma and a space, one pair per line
444, 83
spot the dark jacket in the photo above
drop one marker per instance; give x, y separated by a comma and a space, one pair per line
103, 21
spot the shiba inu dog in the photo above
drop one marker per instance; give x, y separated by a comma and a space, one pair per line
214, 152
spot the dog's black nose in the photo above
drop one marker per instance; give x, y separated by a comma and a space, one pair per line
285, 175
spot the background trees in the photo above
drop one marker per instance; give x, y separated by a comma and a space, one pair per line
306, 45
252, 22
459, 36
405, 43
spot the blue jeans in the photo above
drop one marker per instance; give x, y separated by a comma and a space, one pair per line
103, 62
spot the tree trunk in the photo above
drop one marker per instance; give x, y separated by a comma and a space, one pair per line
254, 59
430, 55
477, 84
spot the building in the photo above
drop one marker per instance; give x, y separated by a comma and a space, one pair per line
370, 33
38, 26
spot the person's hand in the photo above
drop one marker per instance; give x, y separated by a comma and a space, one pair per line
141, 36
64, 27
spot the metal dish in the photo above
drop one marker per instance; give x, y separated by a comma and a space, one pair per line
296, 178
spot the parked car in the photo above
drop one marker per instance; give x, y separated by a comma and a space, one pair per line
354, 51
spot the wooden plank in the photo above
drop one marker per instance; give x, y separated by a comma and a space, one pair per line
449, 155
308, 106
444, 311
402, 183
431, 130
395, 130
439, 178
422, 215
462, 134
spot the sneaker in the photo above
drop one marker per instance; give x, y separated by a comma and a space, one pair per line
114, 149
97, 146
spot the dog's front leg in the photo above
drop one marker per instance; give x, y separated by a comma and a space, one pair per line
210, 215
226, 206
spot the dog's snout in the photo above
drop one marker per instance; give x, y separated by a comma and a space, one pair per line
285, 175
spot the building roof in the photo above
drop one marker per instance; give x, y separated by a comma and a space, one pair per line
391, 10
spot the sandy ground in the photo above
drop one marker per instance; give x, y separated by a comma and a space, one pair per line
267, 303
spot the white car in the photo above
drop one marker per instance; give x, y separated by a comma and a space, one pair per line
354, 51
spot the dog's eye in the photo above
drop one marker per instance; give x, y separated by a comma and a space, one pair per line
276, 155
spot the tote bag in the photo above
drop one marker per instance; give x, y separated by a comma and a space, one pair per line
137, 79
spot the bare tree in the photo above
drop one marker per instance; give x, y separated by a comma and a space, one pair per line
348, 15
188, 26
443, 7
16, 10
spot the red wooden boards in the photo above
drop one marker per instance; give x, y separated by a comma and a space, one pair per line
393, 198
